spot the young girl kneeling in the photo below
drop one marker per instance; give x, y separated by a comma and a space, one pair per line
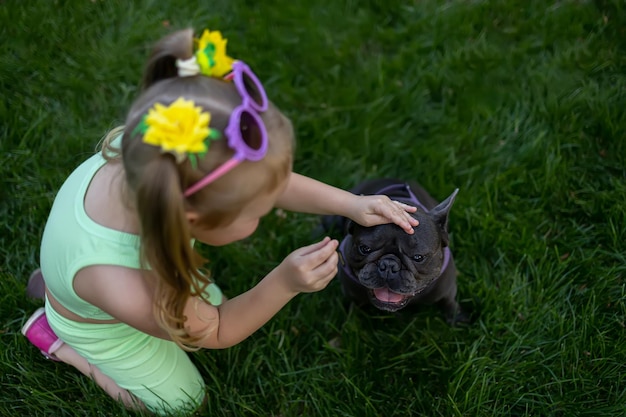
203, 156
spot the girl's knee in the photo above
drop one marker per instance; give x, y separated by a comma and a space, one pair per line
185, 399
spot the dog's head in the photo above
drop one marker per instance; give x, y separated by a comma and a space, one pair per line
395, 266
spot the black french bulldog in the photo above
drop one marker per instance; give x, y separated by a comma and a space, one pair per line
390, 269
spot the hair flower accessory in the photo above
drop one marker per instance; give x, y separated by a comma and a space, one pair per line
211, 54
181, 129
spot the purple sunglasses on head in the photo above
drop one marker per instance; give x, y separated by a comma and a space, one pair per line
246, 131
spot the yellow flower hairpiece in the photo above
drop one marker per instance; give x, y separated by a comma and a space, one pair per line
181, 129
211, 54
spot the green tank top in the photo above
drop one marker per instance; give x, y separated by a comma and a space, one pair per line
72, 241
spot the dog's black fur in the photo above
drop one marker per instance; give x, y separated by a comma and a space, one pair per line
391, 269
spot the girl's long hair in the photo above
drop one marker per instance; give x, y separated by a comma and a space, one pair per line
155, 182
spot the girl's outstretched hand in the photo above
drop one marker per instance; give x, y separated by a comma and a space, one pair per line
372, 210
310, 268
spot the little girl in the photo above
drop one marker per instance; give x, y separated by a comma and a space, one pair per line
203, 156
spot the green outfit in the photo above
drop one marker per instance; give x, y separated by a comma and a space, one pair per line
156, 371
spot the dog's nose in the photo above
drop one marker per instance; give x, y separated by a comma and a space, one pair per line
388, 267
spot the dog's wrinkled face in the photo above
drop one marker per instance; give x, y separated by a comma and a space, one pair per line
393, 265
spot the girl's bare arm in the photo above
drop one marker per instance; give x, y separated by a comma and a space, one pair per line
306, 195
307, 269
127, 295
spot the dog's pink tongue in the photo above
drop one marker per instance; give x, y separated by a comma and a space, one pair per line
383, 294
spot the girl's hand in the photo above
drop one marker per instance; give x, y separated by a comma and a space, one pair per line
372, 210
310, 269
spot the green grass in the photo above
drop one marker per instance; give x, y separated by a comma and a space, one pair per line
520, 104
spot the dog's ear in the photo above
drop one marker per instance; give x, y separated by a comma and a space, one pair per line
440, 215
348, 227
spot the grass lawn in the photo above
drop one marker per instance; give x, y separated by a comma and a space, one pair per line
519, 103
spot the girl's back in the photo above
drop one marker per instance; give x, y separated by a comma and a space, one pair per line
86, 227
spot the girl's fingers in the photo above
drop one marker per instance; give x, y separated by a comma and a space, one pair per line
318, 253
406, 207
403, 217
327, 271
326, 251
332, 260
306, 250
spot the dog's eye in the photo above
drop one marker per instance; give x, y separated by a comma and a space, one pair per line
418, 258
364, 250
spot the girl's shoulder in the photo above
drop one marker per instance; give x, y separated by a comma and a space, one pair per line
105, 200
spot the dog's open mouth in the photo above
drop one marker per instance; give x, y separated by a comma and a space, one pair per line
385, 299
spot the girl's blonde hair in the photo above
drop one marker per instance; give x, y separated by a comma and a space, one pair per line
156, 182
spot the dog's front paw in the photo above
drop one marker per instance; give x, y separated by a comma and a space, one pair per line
460, 317
454, 313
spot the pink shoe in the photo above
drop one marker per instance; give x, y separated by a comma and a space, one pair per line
38, 332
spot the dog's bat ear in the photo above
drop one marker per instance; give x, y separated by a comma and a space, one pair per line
440, 215
349, 227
